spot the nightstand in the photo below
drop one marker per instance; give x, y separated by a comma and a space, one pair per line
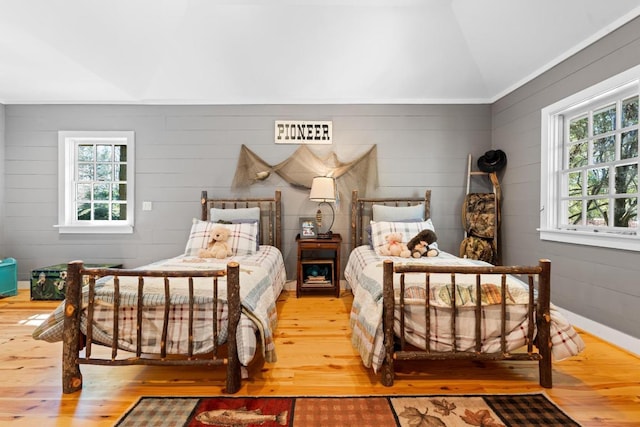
318, 264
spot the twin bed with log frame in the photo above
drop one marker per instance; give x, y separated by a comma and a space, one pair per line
219, 288
437, 308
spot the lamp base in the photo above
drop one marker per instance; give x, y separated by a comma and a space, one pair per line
327, 235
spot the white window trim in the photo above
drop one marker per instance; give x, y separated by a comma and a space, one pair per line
66, 156
551, 161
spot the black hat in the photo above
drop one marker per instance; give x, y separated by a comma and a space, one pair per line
492, 161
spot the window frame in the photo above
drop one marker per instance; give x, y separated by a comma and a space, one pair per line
552, 138
67, 167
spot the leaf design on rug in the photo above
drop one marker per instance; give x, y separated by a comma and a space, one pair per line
418, 419
443, 407
479, 418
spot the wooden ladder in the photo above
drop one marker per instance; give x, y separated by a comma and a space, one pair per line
493, 177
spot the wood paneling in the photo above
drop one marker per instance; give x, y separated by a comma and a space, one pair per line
183, 149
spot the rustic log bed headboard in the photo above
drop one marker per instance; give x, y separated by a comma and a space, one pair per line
361, 212
270, 214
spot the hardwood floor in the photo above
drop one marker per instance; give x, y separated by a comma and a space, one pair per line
600, 387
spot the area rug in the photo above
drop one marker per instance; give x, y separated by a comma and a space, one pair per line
323, 411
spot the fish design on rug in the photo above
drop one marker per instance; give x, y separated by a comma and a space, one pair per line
239, 417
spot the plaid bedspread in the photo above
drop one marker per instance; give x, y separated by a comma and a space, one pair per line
364, 274
262, 278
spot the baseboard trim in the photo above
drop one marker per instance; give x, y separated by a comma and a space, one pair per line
613, 336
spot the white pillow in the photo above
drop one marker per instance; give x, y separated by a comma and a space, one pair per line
380, 230
242, 237
218, 214
397, 213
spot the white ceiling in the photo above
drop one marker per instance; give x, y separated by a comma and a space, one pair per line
289, 51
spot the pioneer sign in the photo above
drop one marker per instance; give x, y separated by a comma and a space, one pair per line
303, 132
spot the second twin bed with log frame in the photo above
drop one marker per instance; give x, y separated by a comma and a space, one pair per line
445, 307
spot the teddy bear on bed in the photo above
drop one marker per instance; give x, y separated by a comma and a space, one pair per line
394, 246
217, 247
422, 244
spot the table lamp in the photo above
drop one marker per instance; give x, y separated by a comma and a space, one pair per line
323, 190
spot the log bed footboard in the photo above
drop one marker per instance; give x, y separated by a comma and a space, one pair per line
539, 319
74, 340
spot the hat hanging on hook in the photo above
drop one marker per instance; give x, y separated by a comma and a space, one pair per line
492, 161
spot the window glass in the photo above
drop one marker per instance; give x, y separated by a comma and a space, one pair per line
604, 149
589, 170
578, 129
604, 120
630, 112
578, 155
96, 173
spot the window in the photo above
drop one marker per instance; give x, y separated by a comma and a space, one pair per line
589, 182
96, 171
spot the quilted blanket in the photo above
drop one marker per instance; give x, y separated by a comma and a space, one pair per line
262, 277
364, 274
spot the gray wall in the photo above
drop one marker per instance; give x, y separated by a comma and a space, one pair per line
596, 283
181, 150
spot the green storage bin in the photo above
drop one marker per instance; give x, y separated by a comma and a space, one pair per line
50, 283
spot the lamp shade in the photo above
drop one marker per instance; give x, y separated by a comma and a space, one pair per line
323, 189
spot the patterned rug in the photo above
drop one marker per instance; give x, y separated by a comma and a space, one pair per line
410, 411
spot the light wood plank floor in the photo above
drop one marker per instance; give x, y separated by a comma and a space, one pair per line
600, 387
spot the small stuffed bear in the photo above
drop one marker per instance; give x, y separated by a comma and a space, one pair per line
420, 245
217, 246
394, 246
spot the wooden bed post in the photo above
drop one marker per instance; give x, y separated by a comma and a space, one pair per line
234, 375
278, 203
354, 218
203, 205
427, 204
71, 375
543, 322
387, 324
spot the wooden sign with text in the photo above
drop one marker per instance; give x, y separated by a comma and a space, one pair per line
303, 132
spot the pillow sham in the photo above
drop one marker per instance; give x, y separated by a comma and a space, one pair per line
245, 221
371, 222
380, 229
237, 215
397, 213
242, 237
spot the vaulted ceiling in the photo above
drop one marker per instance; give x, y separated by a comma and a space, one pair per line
289, 51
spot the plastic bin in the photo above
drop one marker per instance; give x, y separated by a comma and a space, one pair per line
8, 277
